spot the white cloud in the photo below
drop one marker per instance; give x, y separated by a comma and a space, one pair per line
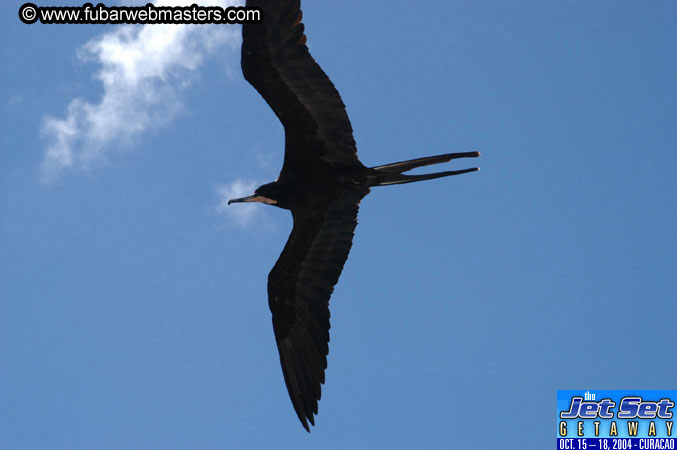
143, 70
242, 214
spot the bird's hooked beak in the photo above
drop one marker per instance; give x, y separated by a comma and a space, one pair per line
253, 198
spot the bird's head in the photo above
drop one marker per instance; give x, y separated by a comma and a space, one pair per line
267, 193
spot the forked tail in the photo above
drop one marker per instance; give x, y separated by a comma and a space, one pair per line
393, 173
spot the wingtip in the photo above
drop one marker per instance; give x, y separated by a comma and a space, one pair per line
304, 421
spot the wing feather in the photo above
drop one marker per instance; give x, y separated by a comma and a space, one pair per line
299, 287
276, 61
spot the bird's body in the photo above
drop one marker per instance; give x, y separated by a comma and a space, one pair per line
308, 189
321, 182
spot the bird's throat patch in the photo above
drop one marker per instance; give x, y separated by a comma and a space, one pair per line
262, 199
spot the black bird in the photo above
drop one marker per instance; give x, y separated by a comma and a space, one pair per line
322, 183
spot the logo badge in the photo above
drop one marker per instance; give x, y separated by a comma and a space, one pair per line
615, 419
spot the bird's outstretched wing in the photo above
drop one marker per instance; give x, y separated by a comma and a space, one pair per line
276, 61
299, 287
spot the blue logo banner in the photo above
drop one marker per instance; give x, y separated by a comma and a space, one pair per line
616, 419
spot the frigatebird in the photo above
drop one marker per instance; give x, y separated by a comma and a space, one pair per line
321, 182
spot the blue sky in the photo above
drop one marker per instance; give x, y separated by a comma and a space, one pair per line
134, 310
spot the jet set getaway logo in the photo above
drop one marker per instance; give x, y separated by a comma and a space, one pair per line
615, 419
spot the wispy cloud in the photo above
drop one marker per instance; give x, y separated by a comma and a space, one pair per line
143, 70
242, 214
